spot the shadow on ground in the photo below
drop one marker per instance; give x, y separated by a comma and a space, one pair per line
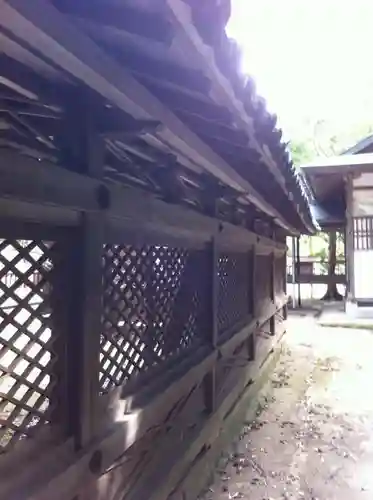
313, 437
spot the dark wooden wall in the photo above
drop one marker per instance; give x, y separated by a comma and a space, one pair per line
129, 329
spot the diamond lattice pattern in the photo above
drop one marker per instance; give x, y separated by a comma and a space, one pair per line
234, 276
26, 338
152, 309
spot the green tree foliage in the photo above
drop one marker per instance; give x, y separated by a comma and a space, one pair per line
301, 152
322, 138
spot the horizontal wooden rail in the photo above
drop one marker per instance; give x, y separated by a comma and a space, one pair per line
44, 192
313, 279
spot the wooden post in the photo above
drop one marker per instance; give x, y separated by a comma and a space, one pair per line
298, 272
254, 307
284, 285
272, 321
210, 378
85, 329
350, 268
214, 290
84, 149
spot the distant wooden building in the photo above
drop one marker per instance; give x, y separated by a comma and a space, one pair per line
342, 188
144, 183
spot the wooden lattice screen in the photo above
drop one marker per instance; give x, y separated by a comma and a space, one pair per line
234, 290
279, 276
263, 276
154, 309
82, 325
159, 308
27, 338
363, 233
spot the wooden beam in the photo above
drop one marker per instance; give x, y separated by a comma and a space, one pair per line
14, 138
142, 65
23, 81
23, 124
28, 108
181, 99
318, 279
130, 130
177, 95
209, 128
56, 38
45, 184
120, 17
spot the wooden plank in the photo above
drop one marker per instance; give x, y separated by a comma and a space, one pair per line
48, 31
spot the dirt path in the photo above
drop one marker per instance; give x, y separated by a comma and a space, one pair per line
314, 436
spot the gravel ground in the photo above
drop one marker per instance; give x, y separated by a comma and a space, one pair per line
313, 438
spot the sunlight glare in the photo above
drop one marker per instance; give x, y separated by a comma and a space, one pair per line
310, 59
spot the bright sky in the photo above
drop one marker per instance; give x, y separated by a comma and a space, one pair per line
310, 59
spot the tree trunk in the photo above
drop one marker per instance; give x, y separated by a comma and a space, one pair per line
332, 292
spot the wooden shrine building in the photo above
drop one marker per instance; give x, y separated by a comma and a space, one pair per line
342, 192
145, 199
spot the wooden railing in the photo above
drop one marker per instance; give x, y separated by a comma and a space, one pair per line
313, 271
